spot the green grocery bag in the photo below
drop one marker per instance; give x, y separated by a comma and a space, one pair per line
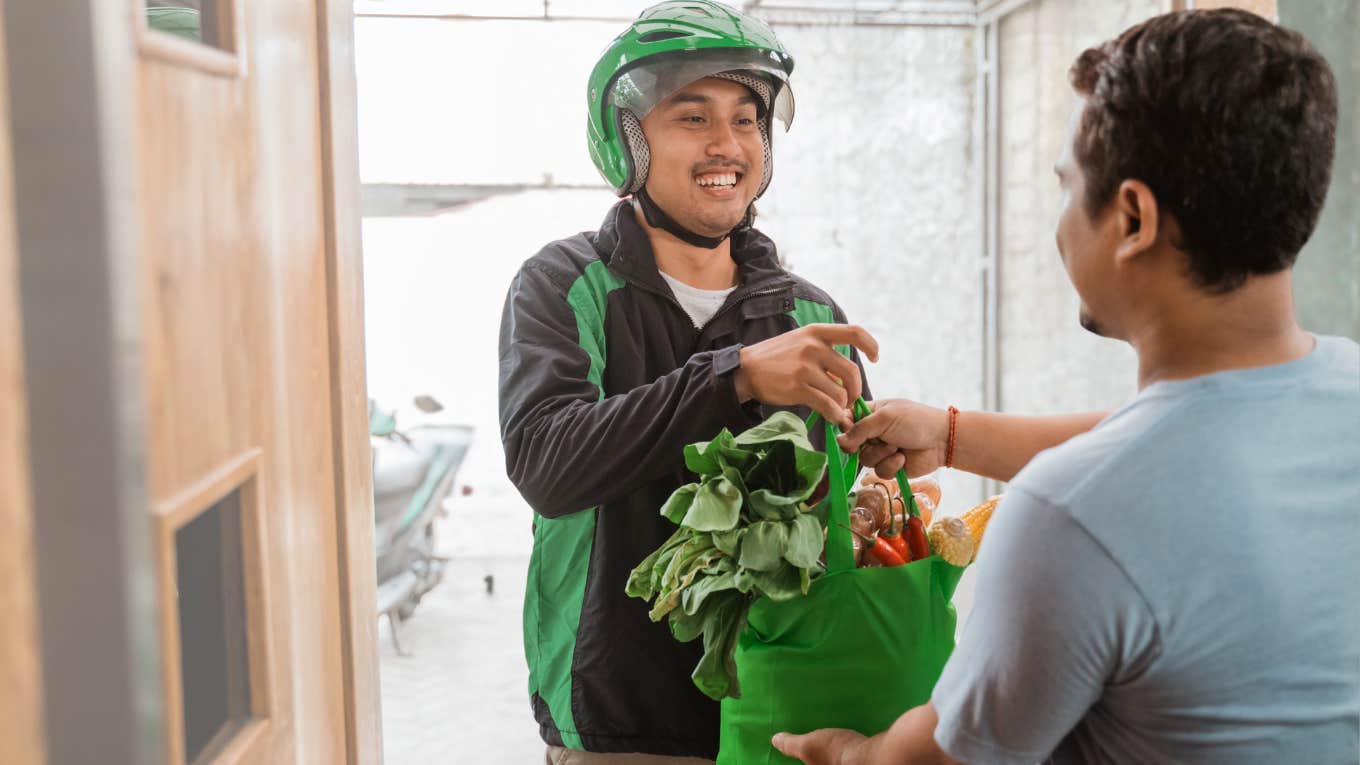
864, 645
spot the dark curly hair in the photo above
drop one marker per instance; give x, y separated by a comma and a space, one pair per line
1229, 119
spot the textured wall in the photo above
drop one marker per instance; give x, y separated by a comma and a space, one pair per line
1048, 362
872, 200
1327, 277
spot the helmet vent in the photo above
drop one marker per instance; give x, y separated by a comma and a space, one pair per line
662, 34
637, 148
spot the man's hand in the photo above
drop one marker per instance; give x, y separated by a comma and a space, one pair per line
911, 739
899, 434
801, 368
828, 746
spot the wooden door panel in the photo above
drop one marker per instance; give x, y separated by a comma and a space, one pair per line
238, 339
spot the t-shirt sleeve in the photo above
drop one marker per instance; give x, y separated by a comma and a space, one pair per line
1054, 620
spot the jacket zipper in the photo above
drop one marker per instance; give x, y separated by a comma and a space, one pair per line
699, 334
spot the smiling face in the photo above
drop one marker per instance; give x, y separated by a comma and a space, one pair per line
707, 155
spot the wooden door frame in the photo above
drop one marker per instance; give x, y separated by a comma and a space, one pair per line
72, 109
349, 394
72, 102
21, 727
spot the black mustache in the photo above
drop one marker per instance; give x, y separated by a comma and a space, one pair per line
739, 167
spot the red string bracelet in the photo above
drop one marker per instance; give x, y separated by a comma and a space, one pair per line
949, 448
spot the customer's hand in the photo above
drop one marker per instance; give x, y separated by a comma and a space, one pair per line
802, 368
899, 434
828, 746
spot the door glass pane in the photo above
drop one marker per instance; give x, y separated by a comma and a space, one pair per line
197, 20
212, 624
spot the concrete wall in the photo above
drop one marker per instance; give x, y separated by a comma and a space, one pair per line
872, 200
1048, 362
1327, 276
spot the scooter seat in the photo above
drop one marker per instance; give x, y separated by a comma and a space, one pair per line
397, 467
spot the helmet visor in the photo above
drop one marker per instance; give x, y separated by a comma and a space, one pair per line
654, 79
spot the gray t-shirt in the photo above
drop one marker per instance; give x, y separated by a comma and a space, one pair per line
1179, 585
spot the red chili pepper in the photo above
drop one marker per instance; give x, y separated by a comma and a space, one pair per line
898, 544
886, 554
916, 538
879, 548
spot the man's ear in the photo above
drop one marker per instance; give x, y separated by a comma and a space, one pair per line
1139, 221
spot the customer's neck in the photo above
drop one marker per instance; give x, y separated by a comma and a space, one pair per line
1199, 333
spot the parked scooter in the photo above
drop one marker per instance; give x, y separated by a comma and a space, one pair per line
413, 473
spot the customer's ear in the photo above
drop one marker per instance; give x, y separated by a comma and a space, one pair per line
1139, 219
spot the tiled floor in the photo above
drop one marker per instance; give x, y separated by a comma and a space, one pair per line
461, 698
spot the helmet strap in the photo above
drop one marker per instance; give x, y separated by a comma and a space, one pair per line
657, 218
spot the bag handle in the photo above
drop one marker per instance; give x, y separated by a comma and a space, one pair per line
842, 470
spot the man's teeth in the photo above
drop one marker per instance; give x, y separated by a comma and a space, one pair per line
718, 180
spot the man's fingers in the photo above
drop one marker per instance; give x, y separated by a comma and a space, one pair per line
820, 747
826, 385
848, 334
846, 370
788, 744
889, 467
872, 454
828, 408
873, 426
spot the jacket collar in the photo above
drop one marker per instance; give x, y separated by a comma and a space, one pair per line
624, 247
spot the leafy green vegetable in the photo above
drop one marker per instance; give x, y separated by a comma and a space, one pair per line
729, 541
716, 506
745, 532
679, 503
781, 426
764, 546
805, 542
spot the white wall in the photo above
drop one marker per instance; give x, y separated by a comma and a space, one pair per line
1048, 362
457, 101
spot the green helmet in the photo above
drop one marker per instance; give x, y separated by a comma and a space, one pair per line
669, 46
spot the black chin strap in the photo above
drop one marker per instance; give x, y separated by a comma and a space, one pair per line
657, 218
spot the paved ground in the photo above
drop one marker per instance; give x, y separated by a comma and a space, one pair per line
461, 698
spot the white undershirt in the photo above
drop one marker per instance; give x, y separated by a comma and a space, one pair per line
699, 304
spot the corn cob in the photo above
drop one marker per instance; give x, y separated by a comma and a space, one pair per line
951, 540
957, 539
978, 517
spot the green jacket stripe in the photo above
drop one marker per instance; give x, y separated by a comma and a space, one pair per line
560, 562
807, 312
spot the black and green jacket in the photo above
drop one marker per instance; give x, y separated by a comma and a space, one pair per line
603, 380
